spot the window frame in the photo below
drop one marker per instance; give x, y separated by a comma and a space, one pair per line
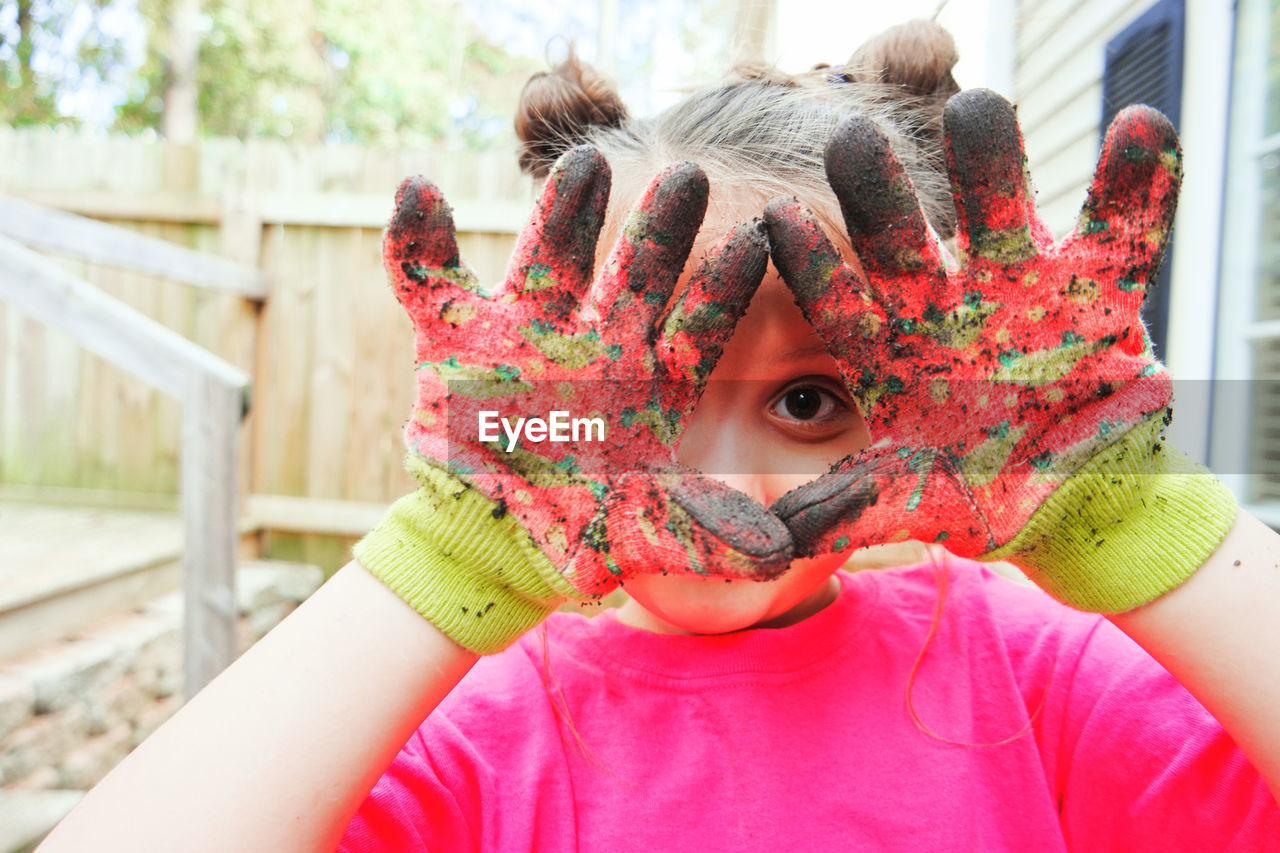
1238, 329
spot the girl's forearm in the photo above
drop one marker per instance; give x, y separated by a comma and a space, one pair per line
1218, 635
278, 752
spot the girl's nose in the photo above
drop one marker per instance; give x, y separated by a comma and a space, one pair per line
728, 456
752, 485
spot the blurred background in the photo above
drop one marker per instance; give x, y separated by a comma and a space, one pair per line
401, 73
203, 376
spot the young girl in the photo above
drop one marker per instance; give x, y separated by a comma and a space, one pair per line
749, 695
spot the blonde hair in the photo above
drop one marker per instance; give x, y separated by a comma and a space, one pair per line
759, 134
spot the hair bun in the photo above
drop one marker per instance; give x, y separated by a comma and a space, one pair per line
558, 107
911, 66
917, 56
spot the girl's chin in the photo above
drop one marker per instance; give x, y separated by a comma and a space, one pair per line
708, 605
694, 605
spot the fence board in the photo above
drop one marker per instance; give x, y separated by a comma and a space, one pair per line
114, 424
174, 307
331, 351
8, 390
331, 373
284, 376
31, 392
136, 206
384, 361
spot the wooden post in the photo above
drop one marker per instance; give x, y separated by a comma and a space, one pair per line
240, 239
214, 397
211, 415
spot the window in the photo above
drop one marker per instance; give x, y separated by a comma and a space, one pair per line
1246, 450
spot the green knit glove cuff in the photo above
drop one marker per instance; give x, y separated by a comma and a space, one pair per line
463, 563
1132, 524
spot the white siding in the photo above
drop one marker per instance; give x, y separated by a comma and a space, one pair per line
1057, 85
1059, 50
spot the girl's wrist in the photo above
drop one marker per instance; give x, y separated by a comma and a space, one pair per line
467, 567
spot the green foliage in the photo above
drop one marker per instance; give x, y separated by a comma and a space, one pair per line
393, 72
46, 48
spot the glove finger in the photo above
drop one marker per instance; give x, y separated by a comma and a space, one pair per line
880, 497
419, 246
646, 262
883, 217
988, 173
834, 298
555, 254
680, 522
1129, 211
706, 313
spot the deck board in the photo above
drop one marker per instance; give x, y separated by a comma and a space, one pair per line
48, 550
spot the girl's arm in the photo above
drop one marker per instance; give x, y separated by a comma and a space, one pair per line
1218, 635
278, 752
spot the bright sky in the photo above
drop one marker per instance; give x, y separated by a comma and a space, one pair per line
811, 31
807, 32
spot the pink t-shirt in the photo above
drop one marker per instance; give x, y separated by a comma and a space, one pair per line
799, 738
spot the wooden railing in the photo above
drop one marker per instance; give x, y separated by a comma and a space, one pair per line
213, 393
330, 352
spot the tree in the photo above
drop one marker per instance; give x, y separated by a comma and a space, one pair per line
49, 50
392, 72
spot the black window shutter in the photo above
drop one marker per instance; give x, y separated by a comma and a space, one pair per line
1144, 66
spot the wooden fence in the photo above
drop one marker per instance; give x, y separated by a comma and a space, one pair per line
330, 351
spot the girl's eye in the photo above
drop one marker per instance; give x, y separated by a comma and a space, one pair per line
807, 405
804, 404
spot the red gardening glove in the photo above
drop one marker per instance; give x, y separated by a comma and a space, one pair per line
549, 338
987, 386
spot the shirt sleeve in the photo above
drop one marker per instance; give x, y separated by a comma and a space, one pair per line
420, 803
1135, 761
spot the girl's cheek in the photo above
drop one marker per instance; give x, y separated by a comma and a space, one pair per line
801, 471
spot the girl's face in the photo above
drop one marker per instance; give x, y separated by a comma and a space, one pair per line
774, 416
